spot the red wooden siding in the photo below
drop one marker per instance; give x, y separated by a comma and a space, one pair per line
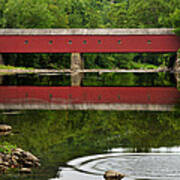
88, 43
95, 95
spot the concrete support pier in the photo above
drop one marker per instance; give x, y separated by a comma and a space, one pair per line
177, 69
76, 64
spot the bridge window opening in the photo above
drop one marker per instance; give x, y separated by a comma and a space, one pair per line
84, 42
69, 42
149, 42
119, 97
99, 42
26, 42
99, 97
50, 42
119, 42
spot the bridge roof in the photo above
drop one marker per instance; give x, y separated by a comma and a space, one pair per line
155, 31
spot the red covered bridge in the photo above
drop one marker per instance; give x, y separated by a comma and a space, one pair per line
87, 40
78, 41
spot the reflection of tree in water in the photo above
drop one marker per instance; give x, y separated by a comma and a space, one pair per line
177, 107
58, 136
1, 79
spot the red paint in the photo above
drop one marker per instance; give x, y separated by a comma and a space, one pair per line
109, 43
79, 95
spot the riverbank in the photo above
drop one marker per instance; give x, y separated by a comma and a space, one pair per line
7, 69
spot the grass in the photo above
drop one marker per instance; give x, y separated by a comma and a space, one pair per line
12, 67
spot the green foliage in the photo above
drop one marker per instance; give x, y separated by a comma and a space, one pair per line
6, 147
12, 67
177, 31
117, 16
27, 14
147, 14
176, 21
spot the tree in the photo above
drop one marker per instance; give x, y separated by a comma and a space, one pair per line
175, 17
118, 15
27, 14
148, 14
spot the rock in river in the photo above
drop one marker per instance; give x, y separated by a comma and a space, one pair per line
25, 170
112, 175
5, 128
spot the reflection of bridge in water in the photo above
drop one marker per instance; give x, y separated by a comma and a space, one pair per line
77, 41
84, 98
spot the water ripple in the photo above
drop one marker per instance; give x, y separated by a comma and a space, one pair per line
135, 165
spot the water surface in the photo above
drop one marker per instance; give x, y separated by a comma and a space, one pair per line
65, 140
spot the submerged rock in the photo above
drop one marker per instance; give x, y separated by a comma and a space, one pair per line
2, 133
112, 175
25, 170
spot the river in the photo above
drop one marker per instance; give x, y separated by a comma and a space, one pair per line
84, 144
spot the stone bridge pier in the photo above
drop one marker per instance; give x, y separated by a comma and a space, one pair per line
77, 63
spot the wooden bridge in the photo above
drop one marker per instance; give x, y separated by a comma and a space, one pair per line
78, 41
87, 40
